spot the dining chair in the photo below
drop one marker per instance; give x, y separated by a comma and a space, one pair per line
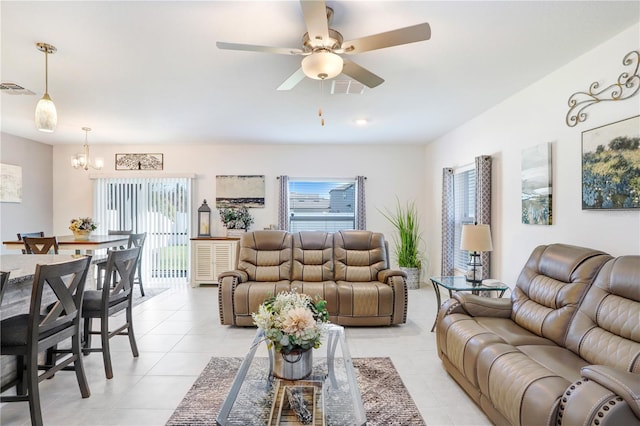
102, 304
101, 263
29, 234
4, 279
135, 240
54, 317
40, 245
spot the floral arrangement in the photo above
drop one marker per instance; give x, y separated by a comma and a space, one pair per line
292, 321
233, 218
83, 224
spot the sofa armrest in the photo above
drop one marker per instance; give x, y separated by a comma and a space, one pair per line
227, 283
623, 383
477, 306
242, 276
383, 276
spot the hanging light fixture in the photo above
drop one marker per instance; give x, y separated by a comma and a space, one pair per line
46, 115
82, 160
322, 65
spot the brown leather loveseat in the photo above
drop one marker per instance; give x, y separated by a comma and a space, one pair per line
563, 350
348, 269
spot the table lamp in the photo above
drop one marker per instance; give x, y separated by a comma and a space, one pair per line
475, 238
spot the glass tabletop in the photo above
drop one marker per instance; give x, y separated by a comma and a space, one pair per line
459, 283
250, 398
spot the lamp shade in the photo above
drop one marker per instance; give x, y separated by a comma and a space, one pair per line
476, 238
46, 115
322, 65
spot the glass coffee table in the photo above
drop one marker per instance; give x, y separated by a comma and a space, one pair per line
250, 399
460, 283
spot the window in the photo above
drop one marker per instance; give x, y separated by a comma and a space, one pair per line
158, 206
464, 190
322, 205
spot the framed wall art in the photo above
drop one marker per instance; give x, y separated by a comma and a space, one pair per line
10, 183
239, 191
536, 185
139, 161
611, 166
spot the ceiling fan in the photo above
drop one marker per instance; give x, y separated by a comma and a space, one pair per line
322, 47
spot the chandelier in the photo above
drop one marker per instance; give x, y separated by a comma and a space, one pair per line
82, 160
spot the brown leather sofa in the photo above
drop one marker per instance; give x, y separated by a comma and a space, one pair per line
348, 269
563, 350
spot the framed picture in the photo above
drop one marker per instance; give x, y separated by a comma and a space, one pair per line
536, 185
611, 166
139, 161
10, 183
239, 191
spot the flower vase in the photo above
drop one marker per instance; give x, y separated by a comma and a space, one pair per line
295, 365
81, 235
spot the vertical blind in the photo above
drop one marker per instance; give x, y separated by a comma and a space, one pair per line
465, 196
158, 206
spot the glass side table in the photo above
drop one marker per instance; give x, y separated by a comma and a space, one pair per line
460, 283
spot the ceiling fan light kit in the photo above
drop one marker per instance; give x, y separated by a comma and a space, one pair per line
322, 65
46, 116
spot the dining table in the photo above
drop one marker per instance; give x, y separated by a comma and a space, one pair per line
69, 242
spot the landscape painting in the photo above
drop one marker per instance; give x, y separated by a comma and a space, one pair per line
239, 191
611, 166
536, 185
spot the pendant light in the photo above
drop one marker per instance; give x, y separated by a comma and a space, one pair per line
46, 115
82, 160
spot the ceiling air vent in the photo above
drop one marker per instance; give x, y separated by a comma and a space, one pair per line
14, 89
346, 87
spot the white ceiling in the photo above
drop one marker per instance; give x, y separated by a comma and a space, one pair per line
149, 72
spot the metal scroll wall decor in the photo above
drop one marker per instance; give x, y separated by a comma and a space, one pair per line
627, 85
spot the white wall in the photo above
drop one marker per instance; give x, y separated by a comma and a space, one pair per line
391, 170
33, 214
531, 117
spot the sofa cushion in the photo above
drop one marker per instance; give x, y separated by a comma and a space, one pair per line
522, 390
550, 287
312, 256
326, 290
606, 329
250, 295
365, 299
358, 255
265, 255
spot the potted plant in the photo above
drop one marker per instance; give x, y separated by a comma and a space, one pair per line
292, 324
407, 241
82, 227
238, 219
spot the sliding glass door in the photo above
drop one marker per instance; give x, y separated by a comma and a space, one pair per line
158, 206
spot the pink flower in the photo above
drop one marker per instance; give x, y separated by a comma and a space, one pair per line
297, 321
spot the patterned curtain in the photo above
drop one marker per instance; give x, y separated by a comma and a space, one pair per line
483, 204
361, 212
448, 223
283, 203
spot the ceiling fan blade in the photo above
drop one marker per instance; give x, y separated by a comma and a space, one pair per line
315, 17
256, 48
360, 74
397, 37
293, 80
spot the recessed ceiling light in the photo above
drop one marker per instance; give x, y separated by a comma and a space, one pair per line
361, 121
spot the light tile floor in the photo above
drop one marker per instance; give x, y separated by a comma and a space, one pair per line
179, 331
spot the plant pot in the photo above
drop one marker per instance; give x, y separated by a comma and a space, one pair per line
81, 235
413, 277
295, 365
236, 233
